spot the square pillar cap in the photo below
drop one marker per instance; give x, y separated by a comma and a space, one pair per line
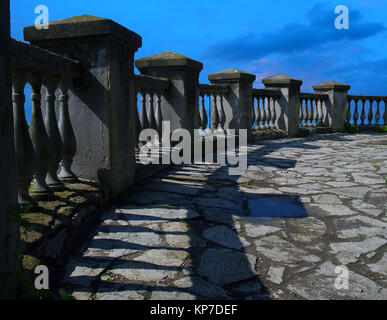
231, 75
332, 85
82, 27
168, 59
281, 80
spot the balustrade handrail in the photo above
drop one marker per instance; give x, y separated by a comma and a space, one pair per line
150, 82
34, 59
314, 96
266, 93
209, 89
366, 97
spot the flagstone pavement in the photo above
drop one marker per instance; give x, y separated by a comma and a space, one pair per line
306, 221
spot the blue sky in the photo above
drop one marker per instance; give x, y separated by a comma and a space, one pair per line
296, 37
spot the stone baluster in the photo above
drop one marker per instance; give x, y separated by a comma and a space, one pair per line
203, 114
54, 140
69, 142
264, 114
362, 114
301, 111
268, 113
274, 113
222, 116
311, 113
306, 113
25, 157
253, 114
138, 125
258, 117
356, 112
377, 114
214, 115
39, 189
143, 114
158, 116
316, 117
349, 113
370, 113
385, 112
150, 109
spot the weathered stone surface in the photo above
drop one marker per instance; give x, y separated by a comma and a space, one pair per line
82, 272
223, 266
198, 286
153, 265
225, 237
279, 250
307, 229
275, 274
321, 285
255, 230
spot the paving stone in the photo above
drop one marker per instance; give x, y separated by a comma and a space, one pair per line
224, 266
279, 250
320, 285
168, 295
178, 235
307, 229
275, 274
225, 237
256, 230
138, 216
82, 272
326, 198
198, 286
350, 251
334, 210
380, 266
153, 265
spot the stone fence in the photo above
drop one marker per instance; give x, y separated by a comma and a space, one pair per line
81, 70
85, 116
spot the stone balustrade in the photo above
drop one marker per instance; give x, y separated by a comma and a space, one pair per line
313, 110
367, 110
264, 111
48, 141
150, 89
214, 95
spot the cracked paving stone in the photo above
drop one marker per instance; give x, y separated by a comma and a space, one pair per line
279, 250
327, 199
380, 266
171, 295
307, 229
347, 252
224, 266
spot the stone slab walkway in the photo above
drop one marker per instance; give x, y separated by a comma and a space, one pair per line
304, 207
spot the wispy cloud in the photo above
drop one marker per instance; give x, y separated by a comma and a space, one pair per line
316, 31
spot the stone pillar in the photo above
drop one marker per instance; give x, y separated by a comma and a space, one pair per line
9, 230
337, 104
102, 103
180, 104
288, 105
238, 102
